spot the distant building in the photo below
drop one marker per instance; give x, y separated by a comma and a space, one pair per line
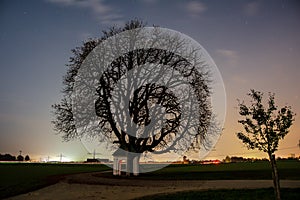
293, 155
227, 159
96, 160
209, 162
120, 163
185, 160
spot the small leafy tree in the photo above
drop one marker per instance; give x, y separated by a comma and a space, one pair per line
20, 158
265, 127
27, 158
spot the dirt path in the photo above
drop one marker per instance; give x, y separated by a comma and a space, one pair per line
95, 186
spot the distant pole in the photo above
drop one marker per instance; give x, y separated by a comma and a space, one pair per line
94, 154
60, 157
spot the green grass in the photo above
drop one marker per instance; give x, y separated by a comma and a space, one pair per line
245, 194
18, 178
232, 171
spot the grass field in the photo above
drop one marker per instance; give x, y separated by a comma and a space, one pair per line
289, 169
20, 178
17, 178
245, 194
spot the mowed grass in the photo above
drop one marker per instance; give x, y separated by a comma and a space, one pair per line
245, 194
289, 169
18, 178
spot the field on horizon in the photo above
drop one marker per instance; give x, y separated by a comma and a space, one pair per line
288, 169
17, 178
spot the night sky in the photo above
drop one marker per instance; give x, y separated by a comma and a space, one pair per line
255, 44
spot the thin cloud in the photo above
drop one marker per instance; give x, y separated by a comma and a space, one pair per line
251, 9
230, 56
238, 79
149, 1
228, 53
105, 13
195, 7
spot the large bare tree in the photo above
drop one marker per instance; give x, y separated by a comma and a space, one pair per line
145, 100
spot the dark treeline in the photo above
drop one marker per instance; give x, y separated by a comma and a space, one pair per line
235, 159
8, 157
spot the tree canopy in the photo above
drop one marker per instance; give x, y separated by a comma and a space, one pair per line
27, 158
149, 102
20, 158
265, 126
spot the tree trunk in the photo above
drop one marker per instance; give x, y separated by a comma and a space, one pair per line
275, 176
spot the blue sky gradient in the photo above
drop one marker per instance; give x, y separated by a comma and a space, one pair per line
255, 44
